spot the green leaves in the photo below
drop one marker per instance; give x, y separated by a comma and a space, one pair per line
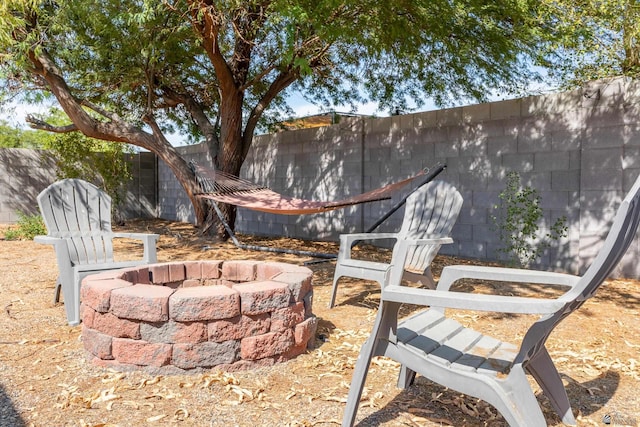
518, 221
591, 39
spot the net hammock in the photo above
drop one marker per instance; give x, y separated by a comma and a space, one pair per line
226, 188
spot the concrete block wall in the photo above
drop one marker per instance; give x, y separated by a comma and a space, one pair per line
173, 203
579, 149
142, 191
24, 173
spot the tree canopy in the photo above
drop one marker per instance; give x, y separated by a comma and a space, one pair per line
132, 70
595, 39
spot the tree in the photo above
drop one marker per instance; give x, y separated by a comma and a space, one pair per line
11, 137
75, 155
596, 39
131, 70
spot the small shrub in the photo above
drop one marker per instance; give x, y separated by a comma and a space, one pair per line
28, 227
518, 223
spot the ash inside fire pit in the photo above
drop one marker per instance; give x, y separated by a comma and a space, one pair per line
232, 315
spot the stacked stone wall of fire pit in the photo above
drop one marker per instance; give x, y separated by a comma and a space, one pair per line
233, 315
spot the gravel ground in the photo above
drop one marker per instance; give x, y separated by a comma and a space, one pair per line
46, 379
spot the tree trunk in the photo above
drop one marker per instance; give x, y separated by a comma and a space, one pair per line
230, 158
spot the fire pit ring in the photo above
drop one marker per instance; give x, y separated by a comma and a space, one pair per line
193, 315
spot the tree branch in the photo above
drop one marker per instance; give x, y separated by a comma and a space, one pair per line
207, 20
38, 124
281, 82
198, 114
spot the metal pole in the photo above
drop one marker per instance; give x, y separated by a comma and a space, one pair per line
427, 178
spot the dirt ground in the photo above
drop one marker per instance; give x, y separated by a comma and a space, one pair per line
46, 380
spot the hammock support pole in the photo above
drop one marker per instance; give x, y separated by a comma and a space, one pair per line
240, 245
426, 179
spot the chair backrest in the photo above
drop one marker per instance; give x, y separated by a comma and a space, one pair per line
621, 234
80, 212
430, 212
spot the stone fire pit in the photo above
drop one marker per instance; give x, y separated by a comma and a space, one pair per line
179, 316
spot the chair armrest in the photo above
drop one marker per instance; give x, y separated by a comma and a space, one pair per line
424, 242
48, 240
149, 244
452, 273
137, 236
62, 253
467, 301
348, 240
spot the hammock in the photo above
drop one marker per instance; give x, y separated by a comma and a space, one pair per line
226, 188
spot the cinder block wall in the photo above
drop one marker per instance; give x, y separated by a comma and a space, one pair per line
24, 173
173, 203
579, 149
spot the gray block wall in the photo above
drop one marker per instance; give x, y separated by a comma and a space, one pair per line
173, 203
579, 149
24, 173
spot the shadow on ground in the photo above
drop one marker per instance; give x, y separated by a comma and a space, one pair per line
9, 416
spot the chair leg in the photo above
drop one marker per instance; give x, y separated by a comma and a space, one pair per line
361, 370
545, 373
71, 294
334, 291
406, 377
515, 400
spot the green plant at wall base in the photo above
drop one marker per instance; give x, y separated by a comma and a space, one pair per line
518, 223
28, 227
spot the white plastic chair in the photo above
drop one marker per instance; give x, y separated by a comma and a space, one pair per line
444, 351
430, 212
77, 215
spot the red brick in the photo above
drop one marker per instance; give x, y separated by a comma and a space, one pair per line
308, 304
299, 283
204, 303
266, 345
305, 333
294, 351
287, 317
216, 282
109, 324
142, 302
262, 297
104, 275
97, 293
138, 352
86, 315
270, 269
266, 270
206, 354
193, 270
211, 269
176, 271
174, 332
159, 273
136, 274
190, 283
100, 345
238, 327
239, 271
